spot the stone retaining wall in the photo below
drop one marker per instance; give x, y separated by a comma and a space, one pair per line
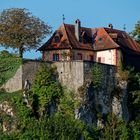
76, 74
70, 74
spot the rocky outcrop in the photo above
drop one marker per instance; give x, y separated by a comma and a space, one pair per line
86, 111
9, 121
5, 107
109, 97
101, 101
119, 101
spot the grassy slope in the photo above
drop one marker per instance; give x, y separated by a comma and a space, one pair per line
8, 66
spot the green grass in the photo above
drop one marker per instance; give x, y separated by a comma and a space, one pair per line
4, 96
8, 66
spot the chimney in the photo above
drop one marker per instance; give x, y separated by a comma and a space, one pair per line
110, 26
77, 29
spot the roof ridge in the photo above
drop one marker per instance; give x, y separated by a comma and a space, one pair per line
65, 24
80, 27
114, 29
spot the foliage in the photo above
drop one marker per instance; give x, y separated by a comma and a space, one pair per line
123, 74
9, 63
135, 130
68, 104
4, 96
115, 129
20, 30
97, 75
92, 134
45, 89
63, 124
123, 71
134, 95
136, 32
62, 127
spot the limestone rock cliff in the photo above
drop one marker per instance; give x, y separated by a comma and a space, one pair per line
109, 97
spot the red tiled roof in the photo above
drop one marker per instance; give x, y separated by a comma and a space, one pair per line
63, 44
99, 39
103, 41
75, 44
125, 42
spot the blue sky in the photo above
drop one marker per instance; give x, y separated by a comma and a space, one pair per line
92, 13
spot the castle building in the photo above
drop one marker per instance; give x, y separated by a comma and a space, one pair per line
103, 45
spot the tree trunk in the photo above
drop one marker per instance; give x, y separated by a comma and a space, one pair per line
21, 52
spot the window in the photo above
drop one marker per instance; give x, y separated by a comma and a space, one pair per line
55, 57
99, 59
91, 57
56, 39
79, 56
85, 38
100, 39
43, 55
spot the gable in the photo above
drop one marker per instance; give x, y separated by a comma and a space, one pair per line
102, 40
58, 40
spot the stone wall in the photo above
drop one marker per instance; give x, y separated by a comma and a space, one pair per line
14, 83
29, 69
78, 74
70, 74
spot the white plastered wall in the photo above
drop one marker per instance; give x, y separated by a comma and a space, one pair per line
107, 56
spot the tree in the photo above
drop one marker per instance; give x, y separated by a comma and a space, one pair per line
115, 129
20, 30
45, 90
134, 95
136, 32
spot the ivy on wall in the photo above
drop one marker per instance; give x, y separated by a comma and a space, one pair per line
97, 75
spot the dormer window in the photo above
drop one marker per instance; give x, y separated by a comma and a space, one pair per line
85, 38
100, 39
57, 39
57, 36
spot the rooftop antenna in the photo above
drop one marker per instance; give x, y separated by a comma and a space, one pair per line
124, 27
63, 18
